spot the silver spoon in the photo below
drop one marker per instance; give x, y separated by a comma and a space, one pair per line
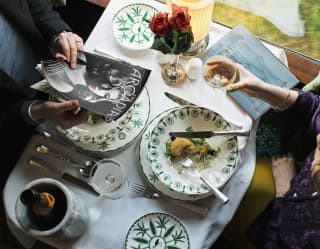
86, 168
188, 163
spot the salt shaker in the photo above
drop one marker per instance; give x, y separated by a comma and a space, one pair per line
193, 68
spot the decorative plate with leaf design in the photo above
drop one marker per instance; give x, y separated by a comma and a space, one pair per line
130, 26
218, 169
150, 176
106, 137
157, 231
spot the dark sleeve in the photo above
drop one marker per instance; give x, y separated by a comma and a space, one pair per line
305, 112
14, 99
46, 19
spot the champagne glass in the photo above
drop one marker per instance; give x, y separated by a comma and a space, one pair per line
110, 179
219, 71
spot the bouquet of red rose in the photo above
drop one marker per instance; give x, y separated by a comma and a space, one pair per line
172, 35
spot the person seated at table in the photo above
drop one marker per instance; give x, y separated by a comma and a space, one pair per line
292, 219
28, 29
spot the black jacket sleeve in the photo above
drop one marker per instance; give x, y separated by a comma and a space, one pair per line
33, 17
46, 19
12, 97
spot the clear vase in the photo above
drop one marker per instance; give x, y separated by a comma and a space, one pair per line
173, 72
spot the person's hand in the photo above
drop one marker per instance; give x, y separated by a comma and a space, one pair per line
65, 114
248, 83
66, 45
281, 98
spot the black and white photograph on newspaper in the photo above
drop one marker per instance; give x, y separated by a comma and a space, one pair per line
105, 86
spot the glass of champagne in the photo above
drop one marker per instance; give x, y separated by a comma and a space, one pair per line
219, 71
110, 179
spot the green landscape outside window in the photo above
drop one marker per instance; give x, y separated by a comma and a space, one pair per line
293, 24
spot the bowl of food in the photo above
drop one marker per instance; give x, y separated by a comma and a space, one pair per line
215, 156
130, 26
220, 71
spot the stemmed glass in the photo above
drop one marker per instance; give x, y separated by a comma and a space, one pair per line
219, 71
110, 179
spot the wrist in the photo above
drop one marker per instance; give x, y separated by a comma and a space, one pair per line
35, 111
56, 36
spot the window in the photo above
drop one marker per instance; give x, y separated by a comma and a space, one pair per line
293, 24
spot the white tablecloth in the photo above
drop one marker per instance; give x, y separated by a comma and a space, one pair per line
111, 219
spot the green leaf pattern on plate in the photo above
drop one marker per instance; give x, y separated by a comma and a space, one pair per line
148, 173
103, 136
191, 118
130, 26
157, 231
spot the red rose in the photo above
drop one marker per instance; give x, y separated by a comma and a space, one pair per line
160, 24
180, 19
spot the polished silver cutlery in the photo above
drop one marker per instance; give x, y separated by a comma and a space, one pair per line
208, 134
64, 175
86, 168
147, 192
188, 163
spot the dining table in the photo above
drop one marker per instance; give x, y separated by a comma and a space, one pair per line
109, 220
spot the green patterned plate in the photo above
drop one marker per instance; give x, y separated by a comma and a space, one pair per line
150, 176
107, 137
130, 26
219, 169
157, 231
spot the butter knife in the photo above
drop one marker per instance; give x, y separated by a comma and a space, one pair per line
207, 134
182, 101
66, 176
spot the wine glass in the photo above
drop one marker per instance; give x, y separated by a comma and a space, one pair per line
110, 179
219, 71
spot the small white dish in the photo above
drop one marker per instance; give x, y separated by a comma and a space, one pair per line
158, 231
130, 26
194, 68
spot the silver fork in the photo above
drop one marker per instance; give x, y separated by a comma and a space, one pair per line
149, 193
188, 163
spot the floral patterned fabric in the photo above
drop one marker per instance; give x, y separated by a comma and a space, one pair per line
293, 221
268, 136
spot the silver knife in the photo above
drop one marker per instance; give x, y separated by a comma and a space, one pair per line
66, 176
182, 101
207, 134
178, 100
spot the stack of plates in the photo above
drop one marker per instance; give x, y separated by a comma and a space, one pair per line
107, 137
156, 165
